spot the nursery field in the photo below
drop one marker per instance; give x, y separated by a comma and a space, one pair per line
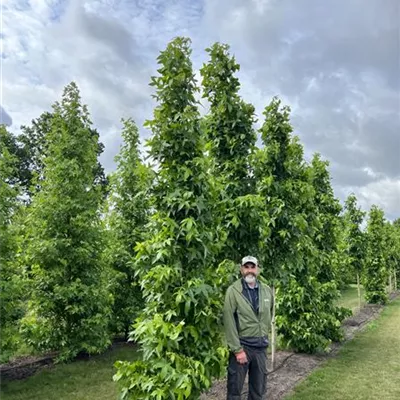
158, 240
84, 380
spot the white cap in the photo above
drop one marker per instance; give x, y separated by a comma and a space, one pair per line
249, 259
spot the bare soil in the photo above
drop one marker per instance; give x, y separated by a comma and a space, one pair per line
23, 367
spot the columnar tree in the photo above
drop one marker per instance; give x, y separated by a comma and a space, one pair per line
179, 330
355, 239
375, 277
345, 274
69, 310
327, 242
10, 273
229, 124
128, 213
229, 129
396, 229
391, 253
289, 252
328, 208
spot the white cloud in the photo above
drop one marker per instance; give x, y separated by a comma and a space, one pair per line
43, 55
384, 193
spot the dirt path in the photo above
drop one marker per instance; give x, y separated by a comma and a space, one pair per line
291, 368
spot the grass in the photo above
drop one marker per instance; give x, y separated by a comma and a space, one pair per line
366, 368
79, 380
349, 298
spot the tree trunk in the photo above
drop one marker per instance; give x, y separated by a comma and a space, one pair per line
126, 332
359, 290
273, 330
395, 281
390, 283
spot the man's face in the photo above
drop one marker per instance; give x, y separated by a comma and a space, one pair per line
249, 269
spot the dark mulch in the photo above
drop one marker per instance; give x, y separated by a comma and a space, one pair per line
23, 367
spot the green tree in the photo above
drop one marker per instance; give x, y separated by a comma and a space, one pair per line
232, 138
289, 253
345, 274
32, 147
355, 239
392, 255
179, 329
33, 140
11, 288
329, 209
396, 233
129, 209
327, 242
376, 274
19, 174
229, 124
69, 310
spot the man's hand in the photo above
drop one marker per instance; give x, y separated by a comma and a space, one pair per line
241, 357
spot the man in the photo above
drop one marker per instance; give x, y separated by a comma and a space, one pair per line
247, 318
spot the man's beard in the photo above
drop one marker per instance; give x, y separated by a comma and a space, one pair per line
250, 278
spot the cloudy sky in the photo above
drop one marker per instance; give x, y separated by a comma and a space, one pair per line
335, 62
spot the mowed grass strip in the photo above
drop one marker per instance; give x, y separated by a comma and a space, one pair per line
366, 368
78, 380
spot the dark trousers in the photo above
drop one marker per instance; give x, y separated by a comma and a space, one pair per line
257, 369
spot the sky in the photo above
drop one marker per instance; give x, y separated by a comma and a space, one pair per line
335, 62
